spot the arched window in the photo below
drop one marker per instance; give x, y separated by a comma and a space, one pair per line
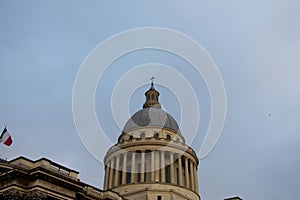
143, 135
148, 97
168, 137
131, 137
156, 135
152, 96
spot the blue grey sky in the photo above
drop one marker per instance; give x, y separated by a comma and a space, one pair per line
255, 45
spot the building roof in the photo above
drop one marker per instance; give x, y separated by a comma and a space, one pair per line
233, 198
151, 117
22, 178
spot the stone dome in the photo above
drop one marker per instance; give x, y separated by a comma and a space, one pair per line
151, 117
151, 159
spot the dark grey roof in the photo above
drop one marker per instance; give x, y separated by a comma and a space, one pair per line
151, 117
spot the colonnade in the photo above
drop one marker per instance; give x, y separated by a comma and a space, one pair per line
151, 166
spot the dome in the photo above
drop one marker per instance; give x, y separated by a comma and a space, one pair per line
152, 117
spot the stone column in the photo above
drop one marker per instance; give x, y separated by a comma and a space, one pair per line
157, 167
180, 171
192, 176
117, 170
187, 180
162, 166
106, 176
152, 166
172, 168
124, 169
196, 179
143, 167
111, 174
133, 171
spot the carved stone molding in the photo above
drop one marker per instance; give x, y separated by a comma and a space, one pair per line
14, 194
35, 195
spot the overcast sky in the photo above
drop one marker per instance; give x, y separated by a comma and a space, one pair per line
255, 45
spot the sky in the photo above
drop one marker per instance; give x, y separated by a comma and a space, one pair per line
255, 45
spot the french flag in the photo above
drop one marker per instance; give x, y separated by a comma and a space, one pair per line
6, 138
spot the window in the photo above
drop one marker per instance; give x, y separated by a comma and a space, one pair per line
177, 176
168, 137
143, 135
139, 175
145, 173
131, 137
120, 177
128, 174
168, 174
152, 96
156, 135
159, 198
148, 97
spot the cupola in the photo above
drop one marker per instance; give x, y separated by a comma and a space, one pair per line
152, 97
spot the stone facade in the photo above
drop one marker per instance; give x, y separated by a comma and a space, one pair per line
22, 178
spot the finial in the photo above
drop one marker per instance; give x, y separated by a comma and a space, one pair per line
152, 78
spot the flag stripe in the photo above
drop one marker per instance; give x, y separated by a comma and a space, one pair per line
6, 138
8, 142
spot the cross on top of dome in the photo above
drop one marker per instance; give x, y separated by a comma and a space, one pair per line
152, 79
